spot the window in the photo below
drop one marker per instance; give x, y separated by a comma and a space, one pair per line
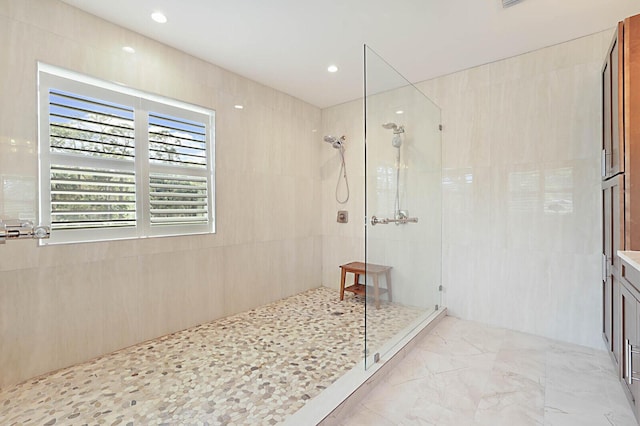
117, 163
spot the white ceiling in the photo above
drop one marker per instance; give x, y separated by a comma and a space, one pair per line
288, 44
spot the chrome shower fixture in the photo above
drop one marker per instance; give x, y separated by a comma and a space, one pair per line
338, 143
396, 141
334, 141
393, 126
397, 130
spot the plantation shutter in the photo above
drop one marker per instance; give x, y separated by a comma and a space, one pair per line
177, 145
118, 163
100, 193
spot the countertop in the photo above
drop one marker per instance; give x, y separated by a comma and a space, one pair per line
631, 257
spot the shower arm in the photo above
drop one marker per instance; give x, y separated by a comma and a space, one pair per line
377, 221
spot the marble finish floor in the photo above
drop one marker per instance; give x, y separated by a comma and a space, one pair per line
465, 373
253, 368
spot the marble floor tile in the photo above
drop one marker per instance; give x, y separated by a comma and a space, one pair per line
495, 377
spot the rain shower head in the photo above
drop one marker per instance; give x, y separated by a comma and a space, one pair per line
393, 126
334, 141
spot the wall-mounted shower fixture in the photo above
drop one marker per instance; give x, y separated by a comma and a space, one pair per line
397, 130
22, 229
398, 220
334, 141
397, 143
338, 143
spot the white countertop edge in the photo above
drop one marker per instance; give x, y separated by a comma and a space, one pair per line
631, 257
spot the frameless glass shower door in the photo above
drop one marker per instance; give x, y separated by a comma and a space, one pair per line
403, 206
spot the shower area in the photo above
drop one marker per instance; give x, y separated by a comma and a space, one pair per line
251, 364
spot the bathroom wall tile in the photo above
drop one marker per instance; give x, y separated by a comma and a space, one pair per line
299, 261
90, 315
265, 157
338, 251
308, 215
235, 206
274, 207
121, 299
249, 279
27, 311
532, 200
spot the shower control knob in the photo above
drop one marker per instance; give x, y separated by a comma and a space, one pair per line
41, 232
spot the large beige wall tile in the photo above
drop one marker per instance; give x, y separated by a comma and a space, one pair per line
67, 303
521, 190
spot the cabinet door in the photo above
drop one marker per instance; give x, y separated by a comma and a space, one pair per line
612, 107
606, 117
630, 360
616, 320
612, 241
607, 263
617, 150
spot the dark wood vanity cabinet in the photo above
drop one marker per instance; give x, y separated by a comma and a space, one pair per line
620, 205
630, 340
630, 331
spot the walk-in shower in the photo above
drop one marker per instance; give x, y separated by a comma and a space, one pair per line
338, 143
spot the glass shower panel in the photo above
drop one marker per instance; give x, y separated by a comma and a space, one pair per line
403, 207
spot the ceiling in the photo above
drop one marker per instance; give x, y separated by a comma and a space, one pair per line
288, 44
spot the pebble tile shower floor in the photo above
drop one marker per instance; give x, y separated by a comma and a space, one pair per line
256, 367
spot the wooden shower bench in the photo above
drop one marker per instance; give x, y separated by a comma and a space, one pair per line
360, 268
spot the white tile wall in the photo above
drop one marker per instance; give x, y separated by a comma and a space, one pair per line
521, 196
64, 304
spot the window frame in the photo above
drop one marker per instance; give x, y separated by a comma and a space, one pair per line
50, 77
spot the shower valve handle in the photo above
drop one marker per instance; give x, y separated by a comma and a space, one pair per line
22, 229
377, 221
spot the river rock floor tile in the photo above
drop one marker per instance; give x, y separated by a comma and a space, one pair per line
252, 368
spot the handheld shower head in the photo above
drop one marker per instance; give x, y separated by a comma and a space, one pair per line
397, 140
334, 141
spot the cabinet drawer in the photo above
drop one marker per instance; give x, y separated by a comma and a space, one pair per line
631, 275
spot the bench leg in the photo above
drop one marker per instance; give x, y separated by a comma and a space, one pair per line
343, 275
387, 275
376, 291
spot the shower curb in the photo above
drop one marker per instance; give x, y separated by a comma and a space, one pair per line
349, 390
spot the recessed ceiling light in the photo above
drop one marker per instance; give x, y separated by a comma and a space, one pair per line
159, 17
399, 112
128, 49
332, 68
238, 106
